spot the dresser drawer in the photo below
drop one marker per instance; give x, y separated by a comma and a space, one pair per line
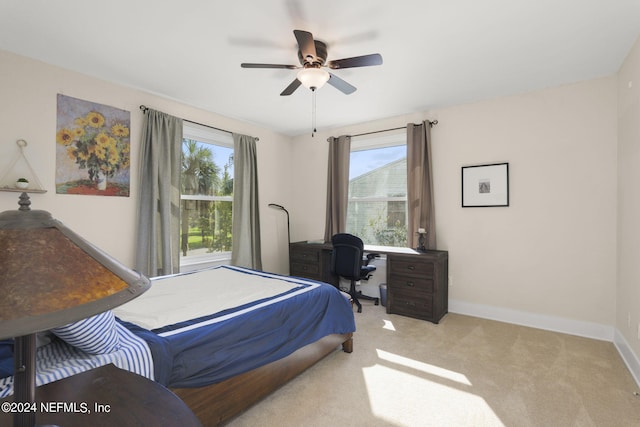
413, 304
411, 266
410, 283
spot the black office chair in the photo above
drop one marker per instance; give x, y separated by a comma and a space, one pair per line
347, 262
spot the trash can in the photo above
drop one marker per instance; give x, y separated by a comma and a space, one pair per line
383, 294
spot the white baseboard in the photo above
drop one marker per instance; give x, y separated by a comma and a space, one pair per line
556, 324
540, 321
628, 356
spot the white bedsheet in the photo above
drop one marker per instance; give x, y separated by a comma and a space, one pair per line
218, 289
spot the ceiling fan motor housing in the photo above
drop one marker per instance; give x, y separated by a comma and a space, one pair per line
321, 55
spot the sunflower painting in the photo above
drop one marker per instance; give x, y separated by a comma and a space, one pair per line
92, 148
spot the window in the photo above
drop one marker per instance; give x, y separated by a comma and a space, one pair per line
206, 198
377, 209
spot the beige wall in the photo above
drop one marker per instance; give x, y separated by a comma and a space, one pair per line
28, 111
552, 259
549, 259
628, 291
565, 255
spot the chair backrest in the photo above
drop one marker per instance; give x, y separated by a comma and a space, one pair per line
346, 257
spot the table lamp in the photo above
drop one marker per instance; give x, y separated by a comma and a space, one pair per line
49, 277
422, 235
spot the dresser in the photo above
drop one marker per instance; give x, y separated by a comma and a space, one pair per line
417, 282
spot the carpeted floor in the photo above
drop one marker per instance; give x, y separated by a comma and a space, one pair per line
463, 372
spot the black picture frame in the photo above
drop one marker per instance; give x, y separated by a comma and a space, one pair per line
485, 185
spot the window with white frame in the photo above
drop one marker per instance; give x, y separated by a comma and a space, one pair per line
206, 197
377, 209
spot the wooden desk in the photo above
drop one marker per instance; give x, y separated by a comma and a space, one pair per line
107, 396
417, 282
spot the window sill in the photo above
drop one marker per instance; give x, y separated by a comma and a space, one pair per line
199, 262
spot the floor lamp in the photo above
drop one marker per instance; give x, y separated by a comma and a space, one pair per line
50, 277
273, 205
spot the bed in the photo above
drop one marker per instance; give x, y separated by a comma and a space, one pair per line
220, 338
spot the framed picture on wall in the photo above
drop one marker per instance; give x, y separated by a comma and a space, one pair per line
485, 185
92, 148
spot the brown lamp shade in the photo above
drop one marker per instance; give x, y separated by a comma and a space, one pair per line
50, 276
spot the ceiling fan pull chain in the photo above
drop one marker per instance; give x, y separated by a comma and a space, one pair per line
313, 112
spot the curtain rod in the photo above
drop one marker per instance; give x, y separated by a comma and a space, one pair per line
431, 124
145, 108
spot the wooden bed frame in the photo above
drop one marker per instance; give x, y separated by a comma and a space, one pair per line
218, 403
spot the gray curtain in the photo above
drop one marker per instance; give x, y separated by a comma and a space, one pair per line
337, 186
245, 250
420, 185
158, 230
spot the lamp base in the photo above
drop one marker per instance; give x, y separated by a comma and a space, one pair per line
421, 239
24, 379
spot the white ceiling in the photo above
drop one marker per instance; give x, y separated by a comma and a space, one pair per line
436, 52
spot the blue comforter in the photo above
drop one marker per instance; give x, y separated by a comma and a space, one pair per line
238, 340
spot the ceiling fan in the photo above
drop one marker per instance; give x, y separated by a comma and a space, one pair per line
312, 55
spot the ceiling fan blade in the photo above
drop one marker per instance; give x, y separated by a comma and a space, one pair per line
340, 84
250, 65
306, 44
356, 61
291, 88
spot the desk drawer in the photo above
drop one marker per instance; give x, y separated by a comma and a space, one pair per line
311, 271
305, 255
409, 283
413, 304
411, 266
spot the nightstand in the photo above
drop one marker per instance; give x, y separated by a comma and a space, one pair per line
107, 396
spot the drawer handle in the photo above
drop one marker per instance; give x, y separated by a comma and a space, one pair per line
413, 304
411, 267
410, 284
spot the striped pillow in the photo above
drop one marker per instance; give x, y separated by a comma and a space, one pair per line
95, 335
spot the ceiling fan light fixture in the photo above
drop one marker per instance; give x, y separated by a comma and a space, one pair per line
313, 78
